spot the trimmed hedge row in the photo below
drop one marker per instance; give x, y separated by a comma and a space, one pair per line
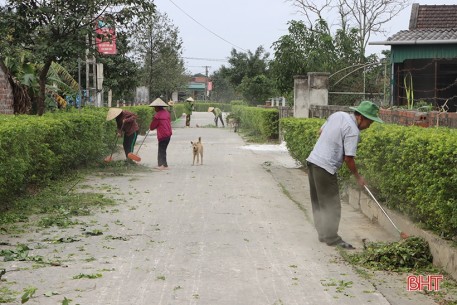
258, 121
35, 150
413, 169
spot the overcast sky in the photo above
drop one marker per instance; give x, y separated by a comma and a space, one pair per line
211, 29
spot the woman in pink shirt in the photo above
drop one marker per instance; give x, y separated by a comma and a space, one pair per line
161, 121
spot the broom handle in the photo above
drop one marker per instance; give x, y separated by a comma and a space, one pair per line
382, 209
142, 142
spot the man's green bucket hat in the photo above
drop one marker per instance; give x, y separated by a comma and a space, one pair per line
369, 110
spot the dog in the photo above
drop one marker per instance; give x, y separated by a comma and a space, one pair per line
197, 151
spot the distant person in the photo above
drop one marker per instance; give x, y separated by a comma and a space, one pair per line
189, 107
162, 122
217, 115
127, 125
337, 143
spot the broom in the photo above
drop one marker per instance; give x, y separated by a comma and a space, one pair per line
403, 235
135, 157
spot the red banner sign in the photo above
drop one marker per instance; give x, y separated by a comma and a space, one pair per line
105, 37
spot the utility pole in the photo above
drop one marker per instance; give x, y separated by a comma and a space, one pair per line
206, 81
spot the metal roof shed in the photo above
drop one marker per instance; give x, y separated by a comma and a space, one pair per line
424, 58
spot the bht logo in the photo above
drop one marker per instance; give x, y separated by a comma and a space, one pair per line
419, 282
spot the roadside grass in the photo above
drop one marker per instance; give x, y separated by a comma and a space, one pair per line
59, 205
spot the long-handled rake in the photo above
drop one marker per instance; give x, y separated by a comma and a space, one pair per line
403, 235
136, 157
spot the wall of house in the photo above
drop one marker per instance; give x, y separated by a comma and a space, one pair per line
6, 95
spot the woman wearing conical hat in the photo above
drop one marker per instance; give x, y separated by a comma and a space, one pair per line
189, 106
162, 123
127, 125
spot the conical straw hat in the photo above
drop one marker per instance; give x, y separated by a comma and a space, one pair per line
189, 99
158, 103
210, 109
112, 113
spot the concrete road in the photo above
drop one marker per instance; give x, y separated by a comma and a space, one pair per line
233, 231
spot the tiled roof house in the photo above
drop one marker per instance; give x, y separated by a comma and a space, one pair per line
424, 57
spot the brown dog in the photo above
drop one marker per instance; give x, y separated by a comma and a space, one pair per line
197, 150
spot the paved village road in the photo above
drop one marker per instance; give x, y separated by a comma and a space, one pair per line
233, 231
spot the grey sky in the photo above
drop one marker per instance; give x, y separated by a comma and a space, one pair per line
210, 29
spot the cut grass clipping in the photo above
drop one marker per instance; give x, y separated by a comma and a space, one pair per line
406, 255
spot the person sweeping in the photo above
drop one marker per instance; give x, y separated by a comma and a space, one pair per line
127, 125
162, 122
337, 144
217, 115
189, 107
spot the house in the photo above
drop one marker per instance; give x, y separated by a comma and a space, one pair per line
424, 58
197, 86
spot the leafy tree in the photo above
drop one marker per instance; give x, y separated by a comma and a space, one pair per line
159, 52
257, 89
303, 50
249, 74
58, 30
315, 49
23, 77
222, 91
246, 65
367, 16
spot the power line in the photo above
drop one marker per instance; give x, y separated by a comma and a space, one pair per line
207, 28
207, 59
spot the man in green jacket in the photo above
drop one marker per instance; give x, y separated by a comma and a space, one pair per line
217, 115
189, 106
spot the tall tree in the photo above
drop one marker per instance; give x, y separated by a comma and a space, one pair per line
158, 49
303, 50
249, 74
58, 30
314, 49
246, 65
367, 16
222, 91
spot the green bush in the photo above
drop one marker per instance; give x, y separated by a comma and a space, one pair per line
35, 150
263, 122
300, 136
415, 171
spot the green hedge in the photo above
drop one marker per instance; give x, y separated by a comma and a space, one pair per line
35, 150
412, 169
300, 136
263, 122
415, 171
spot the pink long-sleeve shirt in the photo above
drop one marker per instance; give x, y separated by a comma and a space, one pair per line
162, 123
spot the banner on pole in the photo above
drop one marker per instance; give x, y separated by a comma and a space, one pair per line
105, 36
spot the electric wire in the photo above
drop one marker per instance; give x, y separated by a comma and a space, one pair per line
196, 21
